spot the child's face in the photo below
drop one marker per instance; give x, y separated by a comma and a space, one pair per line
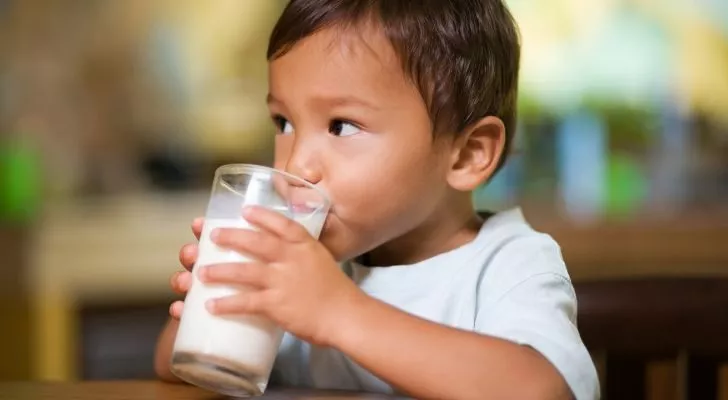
352, 123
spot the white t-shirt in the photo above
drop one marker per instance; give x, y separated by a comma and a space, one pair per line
510, 283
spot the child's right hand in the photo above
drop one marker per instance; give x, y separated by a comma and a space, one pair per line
182, 280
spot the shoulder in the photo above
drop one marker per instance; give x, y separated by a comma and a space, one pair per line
513, 253
525, 296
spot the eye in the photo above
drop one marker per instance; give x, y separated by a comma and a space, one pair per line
284, 127
342, 128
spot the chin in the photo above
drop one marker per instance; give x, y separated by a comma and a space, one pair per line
334, 238
328, 231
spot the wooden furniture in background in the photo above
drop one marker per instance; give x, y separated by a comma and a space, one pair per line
128, 390
121, 251
116, 251
118, 341
658, 335
688, 245
15, 314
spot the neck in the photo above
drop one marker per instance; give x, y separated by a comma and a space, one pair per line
452, 225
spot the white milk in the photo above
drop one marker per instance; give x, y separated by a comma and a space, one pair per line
226, 353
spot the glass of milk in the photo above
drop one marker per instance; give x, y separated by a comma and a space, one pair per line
234, 354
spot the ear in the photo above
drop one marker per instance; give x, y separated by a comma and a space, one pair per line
476, 154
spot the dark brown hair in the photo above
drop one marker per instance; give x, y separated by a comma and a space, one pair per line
463, 55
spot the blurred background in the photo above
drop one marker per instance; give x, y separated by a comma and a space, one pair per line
114, 115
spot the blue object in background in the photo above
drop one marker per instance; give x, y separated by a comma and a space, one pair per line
503, 190
581, 149
670, 162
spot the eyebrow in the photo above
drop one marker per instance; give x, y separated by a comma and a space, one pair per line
331, 101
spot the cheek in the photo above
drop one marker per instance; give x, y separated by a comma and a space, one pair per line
282, 153
383, 186
376, 207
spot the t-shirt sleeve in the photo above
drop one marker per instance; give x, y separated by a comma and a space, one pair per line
289, 369
538, 309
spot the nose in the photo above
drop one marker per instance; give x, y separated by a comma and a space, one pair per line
303, 161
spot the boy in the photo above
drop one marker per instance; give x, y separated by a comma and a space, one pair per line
399, 109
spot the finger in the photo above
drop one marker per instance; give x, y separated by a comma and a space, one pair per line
173, 282
243, 303
254, 274
188, 255
197, 224
255, 244
181, 282
276, 223
175, 310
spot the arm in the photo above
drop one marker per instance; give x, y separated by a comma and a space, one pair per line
163, 353
428, 360
303, 289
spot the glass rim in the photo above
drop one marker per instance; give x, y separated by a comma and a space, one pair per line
248, 168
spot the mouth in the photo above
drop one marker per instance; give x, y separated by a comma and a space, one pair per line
305, 199
305, 207
299, 194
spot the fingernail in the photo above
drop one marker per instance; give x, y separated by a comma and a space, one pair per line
215, 234
188, 250
173, 310
197, 221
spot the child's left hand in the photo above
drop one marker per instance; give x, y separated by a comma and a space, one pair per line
296, 281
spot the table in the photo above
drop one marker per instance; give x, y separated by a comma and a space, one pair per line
148, 390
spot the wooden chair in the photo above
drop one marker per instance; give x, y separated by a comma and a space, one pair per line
628, 324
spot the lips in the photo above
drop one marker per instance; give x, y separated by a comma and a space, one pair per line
304, 208
304, 199
300, 197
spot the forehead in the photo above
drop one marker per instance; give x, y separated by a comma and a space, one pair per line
358, 60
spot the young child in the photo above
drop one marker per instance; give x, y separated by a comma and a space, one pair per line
399, 109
